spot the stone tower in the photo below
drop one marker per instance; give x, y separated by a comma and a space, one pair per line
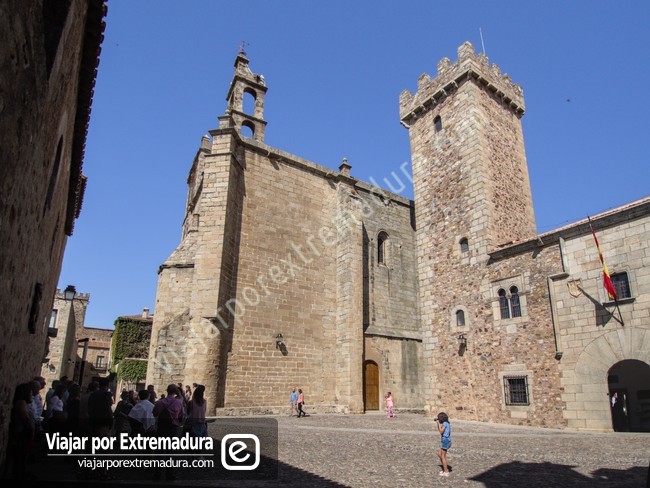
471, 189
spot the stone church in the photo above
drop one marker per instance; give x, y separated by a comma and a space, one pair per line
293, 274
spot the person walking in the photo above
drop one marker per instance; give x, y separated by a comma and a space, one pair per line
390, 405
293, 401
301, 402
442, 421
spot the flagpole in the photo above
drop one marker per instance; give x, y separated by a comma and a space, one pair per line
607, 281
620, 315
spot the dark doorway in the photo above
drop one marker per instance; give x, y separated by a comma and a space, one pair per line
371, 385
629, 396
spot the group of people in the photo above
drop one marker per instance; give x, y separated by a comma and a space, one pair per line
65, 409
296, 402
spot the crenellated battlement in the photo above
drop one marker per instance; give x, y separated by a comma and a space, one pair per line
79, 296
469, 67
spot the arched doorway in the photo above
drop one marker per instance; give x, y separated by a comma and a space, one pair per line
629, 395
370, 385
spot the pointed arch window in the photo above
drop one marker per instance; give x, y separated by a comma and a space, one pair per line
382, 248
503, 304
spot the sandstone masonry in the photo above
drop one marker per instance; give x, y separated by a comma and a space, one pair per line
293, 274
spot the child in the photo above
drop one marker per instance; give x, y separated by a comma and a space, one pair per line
390, 403
442, 420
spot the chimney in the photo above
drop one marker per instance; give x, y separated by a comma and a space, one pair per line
145, 313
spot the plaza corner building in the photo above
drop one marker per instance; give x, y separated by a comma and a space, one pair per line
294, 274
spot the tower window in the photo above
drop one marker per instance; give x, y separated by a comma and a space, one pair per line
247, 129
621, 285
382, 248
250, 98
437, 123
503, 304
53, 318
460, 318
464, 245
514, 301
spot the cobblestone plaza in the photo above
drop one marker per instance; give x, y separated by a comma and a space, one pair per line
373, 451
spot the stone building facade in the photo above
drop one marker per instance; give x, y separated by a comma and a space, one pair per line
97, 354
66, 320
48, 59
293, 274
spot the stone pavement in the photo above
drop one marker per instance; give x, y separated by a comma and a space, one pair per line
373, 451
327, 451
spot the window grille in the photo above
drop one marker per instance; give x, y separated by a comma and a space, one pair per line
516, 390
514, 301
621, 285
503, 304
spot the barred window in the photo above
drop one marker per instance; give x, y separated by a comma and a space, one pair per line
621, 285
503, 304
516, 390
514, 301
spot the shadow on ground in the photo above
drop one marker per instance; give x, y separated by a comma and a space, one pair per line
549, 474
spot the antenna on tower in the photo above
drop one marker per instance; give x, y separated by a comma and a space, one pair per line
242, 47
482, 44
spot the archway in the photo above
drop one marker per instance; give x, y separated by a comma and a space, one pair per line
370, 385
629, 393
590, 406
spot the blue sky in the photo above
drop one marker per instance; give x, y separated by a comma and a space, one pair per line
335, 71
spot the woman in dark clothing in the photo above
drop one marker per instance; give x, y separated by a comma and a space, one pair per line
73, 406
21, 430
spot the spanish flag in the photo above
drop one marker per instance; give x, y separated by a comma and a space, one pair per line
607, 281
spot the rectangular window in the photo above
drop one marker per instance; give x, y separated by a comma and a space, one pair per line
621, 285
100, 362
516, 390
53, 319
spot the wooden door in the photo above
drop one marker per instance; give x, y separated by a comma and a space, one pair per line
371, 386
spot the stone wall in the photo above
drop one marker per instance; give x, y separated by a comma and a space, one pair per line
591, 337
98, 345
70, 318
45, 109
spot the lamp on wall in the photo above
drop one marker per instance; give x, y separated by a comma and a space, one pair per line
279, 341
462, 340
69, 293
